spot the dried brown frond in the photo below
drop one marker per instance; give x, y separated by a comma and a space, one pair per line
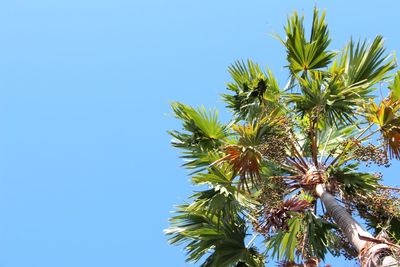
273, 218
245, 162
385, 115
311, 262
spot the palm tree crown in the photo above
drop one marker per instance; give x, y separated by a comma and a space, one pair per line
275, 175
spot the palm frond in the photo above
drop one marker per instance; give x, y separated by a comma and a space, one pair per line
275, 218
330, 137
224, 202
246, 162
202, 134
387, 118
199, 160
253, 89
328, 99
307, 236
215, 175
202, 125
365, 63
303, 55
244, 157
205, 235
318, 235
218, 201
353, 182
284, 243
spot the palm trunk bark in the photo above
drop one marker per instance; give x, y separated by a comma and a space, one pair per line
350, 227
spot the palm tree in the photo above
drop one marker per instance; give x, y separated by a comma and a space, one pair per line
282, 180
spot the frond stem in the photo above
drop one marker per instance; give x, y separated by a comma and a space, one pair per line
369, 135
252, 240
326, 143
298, 156
364, 130
299, 166
313, 137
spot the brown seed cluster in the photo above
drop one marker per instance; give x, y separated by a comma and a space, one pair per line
273, 148
382, 204
270, 198
371, 154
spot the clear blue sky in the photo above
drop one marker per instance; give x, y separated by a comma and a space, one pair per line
87, 175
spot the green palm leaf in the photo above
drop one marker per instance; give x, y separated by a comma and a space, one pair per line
366, 64
221, 241
202, 134
283, 244
328, 98
303, 55
354, 182
330, 137
252, 88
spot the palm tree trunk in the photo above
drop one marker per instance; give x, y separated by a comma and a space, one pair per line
350, 227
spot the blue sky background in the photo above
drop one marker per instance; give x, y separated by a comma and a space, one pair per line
87, 175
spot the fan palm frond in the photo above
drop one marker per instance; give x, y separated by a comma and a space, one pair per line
205, 235
203, 126
306, 235
252, 88
366, 64
245, 157
246, 162
307, 55
221, 201
328, 98
202, 134
215, 175
276, 218
353, 182
386, 117
330, 137
318, 235
284, 243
